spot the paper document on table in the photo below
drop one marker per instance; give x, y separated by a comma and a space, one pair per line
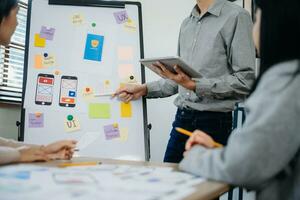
130, 182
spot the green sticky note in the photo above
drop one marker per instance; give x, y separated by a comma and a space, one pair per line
99, 111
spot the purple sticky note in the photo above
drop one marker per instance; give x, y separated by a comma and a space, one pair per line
111, 132
46, 33
121, 17
36, 121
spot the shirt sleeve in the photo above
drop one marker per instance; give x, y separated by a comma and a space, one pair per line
161, 88
260, 150
8, 155
241, 58
15, 144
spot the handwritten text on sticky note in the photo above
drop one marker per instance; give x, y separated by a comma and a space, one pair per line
72, 125
121, 17
111, 131
36, 121
47, 33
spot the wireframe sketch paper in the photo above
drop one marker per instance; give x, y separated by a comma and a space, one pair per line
105, 181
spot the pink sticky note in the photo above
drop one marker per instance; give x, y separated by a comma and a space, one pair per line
46, 33
36, 121
121, 17
125, 53
125, 70
111, 131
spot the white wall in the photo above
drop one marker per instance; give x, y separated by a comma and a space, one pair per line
9, 114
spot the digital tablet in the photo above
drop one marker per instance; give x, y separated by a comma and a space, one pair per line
170, 62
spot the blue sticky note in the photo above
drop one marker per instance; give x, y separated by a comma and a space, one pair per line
72, 93
94, 47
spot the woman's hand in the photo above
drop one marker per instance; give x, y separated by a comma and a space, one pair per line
131, 92
32, 154
180, 77
60, 150
199, 138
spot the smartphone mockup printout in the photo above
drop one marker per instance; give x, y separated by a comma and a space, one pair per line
68, 91
44, 89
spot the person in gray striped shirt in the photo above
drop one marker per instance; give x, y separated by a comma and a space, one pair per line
216, 41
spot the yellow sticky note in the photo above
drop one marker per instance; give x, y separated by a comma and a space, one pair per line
125, 53
38, 41
49, 61
38, 62
130, 26
99, 110
77, 19
126, 110
123, 134
72, 125
125, 70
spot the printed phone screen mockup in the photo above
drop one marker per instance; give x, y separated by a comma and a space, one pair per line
44, 89
68, 91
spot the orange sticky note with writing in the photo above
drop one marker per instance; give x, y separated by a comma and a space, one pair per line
38, 41
38, 62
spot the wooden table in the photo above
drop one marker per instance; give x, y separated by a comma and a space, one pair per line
205, 191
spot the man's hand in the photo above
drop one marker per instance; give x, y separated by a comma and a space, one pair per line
180, 78
131, 92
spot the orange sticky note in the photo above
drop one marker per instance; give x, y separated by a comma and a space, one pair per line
38, 41
38, 62
126, 110
125, 53
125, 70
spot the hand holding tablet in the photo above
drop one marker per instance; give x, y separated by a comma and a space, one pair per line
169, 63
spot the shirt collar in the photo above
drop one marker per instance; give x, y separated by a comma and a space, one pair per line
214, 9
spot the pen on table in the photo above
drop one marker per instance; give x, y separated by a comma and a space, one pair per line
77, 164
188, 133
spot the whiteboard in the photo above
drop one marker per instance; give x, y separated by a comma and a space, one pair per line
65, 71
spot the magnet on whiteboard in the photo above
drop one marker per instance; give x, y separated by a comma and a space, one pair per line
70, 117
38, 114
57, 72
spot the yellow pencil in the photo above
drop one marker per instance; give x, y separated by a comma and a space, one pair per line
188, 133
76, 164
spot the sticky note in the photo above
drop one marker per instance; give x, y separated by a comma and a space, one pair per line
126, 110
38, 61
46, 33
48, 61
130, 26
36, 121
57, 72
125, 70
77, 19
71, 125
111, 132
93, 47
121, 16
38, 41
123, 134
99, 110
125, 53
